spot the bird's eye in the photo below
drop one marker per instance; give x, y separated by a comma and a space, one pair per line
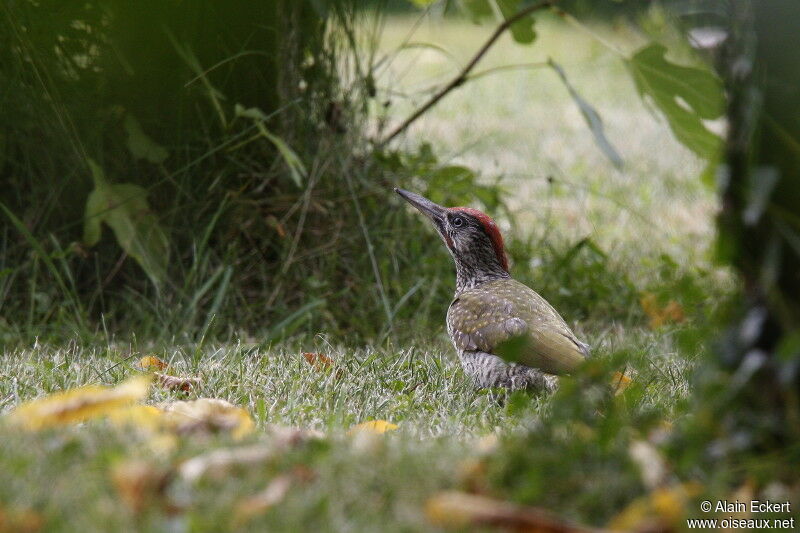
457, 222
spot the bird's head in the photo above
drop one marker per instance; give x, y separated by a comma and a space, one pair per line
473, 238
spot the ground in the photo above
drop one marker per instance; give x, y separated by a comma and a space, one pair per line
518, 124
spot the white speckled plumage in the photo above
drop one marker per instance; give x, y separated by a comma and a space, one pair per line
490, 310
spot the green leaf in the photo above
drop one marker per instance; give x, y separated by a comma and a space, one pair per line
296, 168
522, 31
124, 208
592, 118
685, 95
478, 10
481, 10
92, 221
142, 146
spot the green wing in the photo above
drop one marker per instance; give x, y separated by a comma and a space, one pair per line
509, 319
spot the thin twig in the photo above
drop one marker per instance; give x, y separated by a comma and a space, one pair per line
463, 75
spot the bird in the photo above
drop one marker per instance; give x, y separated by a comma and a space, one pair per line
506, 334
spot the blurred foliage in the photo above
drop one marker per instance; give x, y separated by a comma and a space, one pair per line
738, 433
747, 412
581, 463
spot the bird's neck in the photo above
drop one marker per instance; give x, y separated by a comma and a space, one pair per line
473, 271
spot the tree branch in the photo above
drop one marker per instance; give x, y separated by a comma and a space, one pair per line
463, 75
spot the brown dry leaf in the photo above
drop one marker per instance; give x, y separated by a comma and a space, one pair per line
151, 362
462, 510
20, 521
259, 503
207, 415
176, 383
276, 224
662, 509
670, 313
78, 405
471, 474
139, 484
373, 426
319, 361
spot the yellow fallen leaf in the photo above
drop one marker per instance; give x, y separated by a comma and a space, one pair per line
662, 509
184, 384
207, 415
137, 415
373, 426
78, 405
620, 382
467, 511
670, 313
151, 362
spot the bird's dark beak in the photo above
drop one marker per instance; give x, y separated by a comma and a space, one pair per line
433, 211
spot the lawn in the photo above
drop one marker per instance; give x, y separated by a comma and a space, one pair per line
649, 224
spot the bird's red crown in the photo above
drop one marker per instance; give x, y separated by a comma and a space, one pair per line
492, 231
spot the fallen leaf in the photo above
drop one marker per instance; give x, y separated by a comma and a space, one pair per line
652, 466
184, 384
139, 484
276, 224
464, 511
20, 521
659, 316
272, 495
151, 362
207, 415
471, 474
620, 382
218, 463
80, 404
662, 509
319, 361
141, 416
373, 426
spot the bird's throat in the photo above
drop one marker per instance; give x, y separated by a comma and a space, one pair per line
471, 274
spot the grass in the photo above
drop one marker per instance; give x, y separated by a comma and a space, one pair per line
646, 228
361, 482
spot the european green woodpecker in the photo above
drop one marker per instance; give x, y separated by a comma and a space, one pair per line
492, 316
